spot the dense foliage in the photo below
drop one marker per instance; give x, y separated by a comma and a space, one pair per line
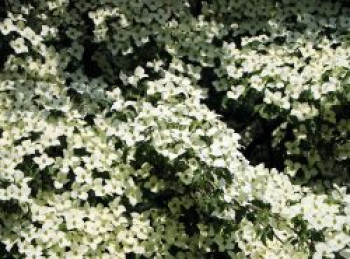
174, 129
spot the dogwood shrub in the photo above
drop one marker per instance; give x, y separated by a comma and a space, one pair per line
174, 129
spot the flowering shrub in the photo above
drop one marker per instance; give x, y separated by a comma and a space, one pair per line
174, 129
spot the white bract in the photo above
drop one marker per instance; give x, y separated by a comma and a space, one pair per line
19, 46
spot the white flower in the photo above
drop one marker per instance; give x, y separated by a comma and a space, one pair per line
338, 242
234, 72
47, 31
43, 161
117, 105
330, 86
140, 73
7, 26
19, 46
236, 92
82, 175
219, 163
303, 111
32, 251
257, 83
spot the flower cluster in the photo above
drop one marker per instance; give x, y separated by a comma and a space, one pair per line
291, 69
128, 129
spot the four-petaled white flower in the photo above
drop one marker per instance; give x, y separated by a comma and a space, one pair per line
19, 46
43, 161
